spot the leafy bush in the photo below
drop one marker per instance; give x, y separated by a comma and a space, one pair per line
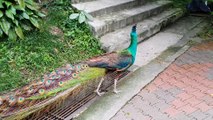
16, 15
82, 17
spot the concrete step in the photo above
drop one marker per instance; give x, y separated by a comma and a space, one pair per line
120, 38
116, 20
101, 7
79, 1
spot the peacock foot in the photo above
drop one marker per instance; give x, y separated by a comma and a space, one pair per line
116, 91
99, 93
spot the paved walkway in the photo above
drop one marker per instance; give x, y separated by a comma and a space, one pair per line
184, 91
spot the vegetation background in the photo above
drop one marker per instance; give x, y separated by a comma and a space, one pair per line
58, 41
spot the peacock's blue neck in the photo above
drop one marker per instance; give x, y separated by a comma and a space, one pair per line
133, 45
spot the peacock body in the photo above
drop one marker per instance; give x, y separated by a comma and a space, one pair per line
118, 60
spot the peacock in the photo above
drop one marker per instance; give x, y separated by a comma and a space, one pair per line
117, 60
51, 87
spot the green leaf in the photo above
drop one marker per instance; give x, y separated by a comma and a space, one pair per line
7, 3
34, 22
1, 5
25, 15
1, 14
29, 12
82, 18
74, 16
16, 22
13, 10
12, 35
21, 3
19, 32
1, 33
5, 25
17, 7
9, 14
41, 14
32, 7
26, 26
89, 17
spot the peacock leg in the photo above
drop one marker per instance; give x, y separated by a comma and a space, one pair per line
98, 88
115, 86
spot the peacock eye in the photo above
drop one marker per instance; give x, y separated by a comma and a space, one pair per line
74, 75
21, 99
41, 91
61, 83
42, 80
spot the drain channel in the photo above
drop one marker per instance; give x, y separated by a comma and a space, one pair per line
63, 112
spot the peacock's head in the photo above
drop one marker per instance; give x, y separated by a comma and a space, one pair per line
134, 28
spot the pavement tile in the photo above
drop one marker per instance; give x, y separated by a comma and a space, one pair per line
151, 87
186, 66
137, 100
171, 111
177, 103
188, 109
166, 86
148, 96
198, 115
178, 76
162, 105
181, 85
208, 99
190, 89
210, 91
175, 91
207, 83
129, 112
202, 88
164, 76
170, 72
210, 112
198, 94
156, 114
209, 118
184, 96
158, 81
193, 101
168, 98
203, 107
183, 116
194, 69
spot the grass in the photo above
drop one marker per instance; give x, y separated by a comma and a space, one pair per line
41, 52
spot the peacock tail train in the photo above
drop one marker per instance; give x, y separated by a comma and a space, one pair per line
27, 99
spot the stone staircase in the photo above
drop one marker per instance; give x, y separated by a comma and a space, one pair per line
113, 19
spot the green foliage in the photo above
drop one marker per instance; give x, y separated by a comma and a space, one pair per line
41, 52
82, 17
181, 3
16, 16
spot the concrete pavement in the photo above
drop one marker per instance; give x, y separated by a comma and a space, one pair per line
184, 91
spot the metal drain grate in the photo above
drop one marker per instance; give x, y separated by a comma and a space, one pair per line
63, 112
